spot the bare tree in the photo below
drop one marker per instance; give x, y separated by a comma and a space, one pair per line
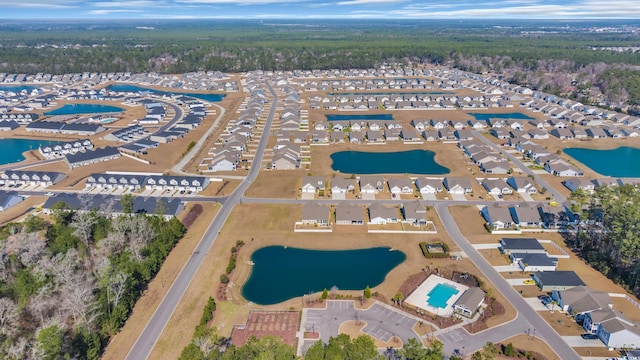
141, 235
78, 299
18, 349
118, 286
9, 316
205, 344
42, 304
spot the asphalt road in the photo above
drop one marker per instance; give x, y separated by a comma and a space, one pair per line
154, 328
527, 318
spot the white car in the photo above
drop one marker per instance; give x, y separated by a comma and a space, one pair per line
49, 193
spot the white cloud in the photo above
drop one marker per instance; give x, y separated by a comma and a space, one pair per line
238, 2
48, 4
370, 2
127, 4
112, 11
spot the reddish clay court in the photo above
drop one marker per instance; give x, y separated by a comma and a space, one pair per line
283, 324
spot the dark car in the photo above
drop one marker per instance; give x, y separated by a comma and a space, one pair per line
589, 336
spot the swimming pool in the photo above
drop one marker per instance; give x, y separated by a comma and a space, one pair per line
440, 294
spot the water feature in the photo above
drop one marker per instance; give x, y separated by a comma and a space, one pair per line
619, 162
281, 273
440, 294
399, 162
135, 89
76, 109
359, 117
12, 149
513, 115
17, 88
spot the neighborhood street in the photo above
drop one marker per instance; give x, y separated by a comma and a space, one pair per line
156, 325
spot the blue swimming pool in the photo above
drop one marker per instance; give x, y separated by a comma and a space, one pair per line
440, 294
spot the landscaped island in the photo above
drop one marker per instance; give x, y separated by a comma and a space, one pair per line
281, 273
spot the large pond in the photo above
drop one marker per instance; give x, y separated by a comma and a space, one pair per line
513, 115
619, 162
359, 117
17, 88
281, 273
76, 109
11, 149
401, 162
134, 89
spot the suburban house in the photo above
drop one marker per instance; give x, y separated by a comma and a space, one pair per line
399, 186
531, 262
341, 185
526, 216
371, 184
497, 217
591, 320
429, 186
380, 214
469, 302
522, 184
554, 217
312, 183
414, 213
458, 185
521, 245
349, 214
580, 300
315, 214
584, 184
557, 280
496, 186
618, 333
8, 199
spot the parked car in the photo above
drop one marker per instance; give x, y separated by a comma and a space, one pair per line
589, 336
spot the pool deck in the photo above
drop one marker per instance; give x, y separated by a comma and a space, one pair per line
418, 297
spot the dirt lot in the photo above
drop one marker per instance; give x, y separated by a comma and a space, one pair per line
145, 307
22, 209
562, 323
523, 342
277, 184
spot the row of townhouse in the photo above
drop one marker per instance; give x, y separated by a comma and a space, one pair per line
542, 216
317, 214
55, 127
111, 205
227, 154
374, 82
59, 149
22, 118
594, 310
374, 184
138, 181
24, 177
89, 157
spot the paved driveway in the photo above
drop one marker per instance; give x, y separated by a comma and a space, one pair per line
338, 196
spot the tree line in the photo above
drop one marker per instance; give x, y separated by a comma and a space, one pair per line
69, 284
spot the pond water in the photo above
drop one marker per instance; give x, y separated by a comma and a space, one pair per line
619, 162
280, 273
487, 116
17, 88
359, 117
134, 88
11, 149
401, 162
76, 109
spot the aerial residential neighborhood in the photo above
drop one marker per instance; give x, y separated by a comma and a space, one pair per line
406, 202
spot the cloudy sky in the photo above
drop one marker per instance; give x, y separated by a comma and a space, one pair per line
324, 9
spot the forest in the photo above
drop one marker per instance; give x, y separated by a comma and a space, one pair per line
608, 237
551, 57
67, 285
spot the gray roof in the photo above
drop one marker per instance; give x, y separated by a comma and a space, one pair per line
99, 202
471, 298
559, 278
351, 213
314, 211
536, 259
521, 244
92, 154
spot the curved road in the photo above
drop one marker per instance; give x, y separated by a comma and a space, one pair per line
152, 331
527, 318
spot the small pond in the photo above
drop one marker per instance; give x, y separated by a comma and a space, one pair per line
400, 162
619, 162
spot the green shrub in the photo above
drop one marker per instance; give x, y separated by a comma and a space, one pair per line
224, 279
423, 247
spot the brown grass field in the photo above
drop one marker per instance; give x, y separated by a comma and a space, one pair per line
523, 342
274, 227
